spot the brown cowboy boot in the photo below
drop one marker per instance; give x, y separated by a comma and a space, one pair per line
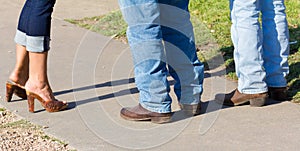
138, 113
236, 98
278, 93
191, 110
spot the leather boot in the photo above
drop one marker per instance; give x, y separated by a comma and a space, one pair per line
278, 93
138, 113
236, 98
191, 110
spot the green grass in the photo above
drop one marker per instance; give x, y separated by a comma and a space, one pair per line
53, 139
111, 24
215, 15
20, 123
211, 22
294, 76
2, 109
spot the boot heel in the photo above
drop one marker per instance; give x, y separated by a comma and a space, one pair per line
160, 120
9, 91
30, 99
258, 102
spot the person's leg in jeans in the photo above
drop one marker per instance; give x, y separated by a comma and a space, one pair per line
275, 47
183, 63
248, 48
247, 39
144, 36
145, 39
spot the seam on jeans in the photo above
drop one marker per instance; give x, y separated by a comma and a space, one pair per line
134, 5
277, 86
138, 24
46, 43
142, 42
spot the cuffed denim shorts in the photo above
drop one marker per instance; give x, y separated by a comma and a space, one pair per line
34, 25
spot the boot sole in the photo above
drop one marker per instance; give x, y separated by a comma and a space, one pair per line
257, 102
157, 120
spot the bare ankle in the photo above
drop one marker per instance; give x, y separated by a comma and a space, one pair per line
19, 77
41, 88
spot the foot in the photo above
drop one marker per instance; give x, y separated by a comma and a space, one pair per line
19, 77
191, 110
14, 88
43, 92
42, 89
138, 113
278, 93
15, 84
236, 98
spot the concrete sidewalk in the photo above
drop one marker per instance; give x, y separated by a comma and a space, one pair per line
94, 74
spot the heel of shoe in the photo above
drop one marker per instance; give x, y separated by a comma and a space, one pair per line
30, 99
191, 110
258, 102
160, 120
9, 91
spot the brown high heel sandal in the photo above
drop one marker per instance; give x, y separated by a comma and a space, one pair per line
50, 106
14, 88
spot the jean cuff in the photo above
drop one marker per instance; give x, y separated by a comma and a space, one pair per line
38, 43
254, 91
32, 43
193, 102
155, 109
20, 38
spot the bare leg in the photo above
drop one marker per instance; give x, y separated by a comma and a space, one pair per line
20, 72
38, 80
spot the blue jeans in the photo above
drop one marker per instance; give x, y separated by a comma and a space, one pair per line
261, 50
34, 25
161, 39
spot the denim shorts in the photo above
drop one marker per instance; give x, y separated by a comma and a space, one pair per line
34, 25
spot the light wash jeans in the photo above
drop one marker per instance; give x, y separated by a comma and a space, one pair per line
161, 39
261, 50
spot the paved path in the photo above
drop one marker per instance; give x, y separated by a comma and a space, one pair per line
94, 73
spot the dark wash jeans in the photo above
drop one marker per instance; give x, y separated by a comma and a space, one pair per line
35, 24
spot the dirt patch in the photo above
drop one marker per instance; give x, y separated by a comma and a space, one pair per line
19, 134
